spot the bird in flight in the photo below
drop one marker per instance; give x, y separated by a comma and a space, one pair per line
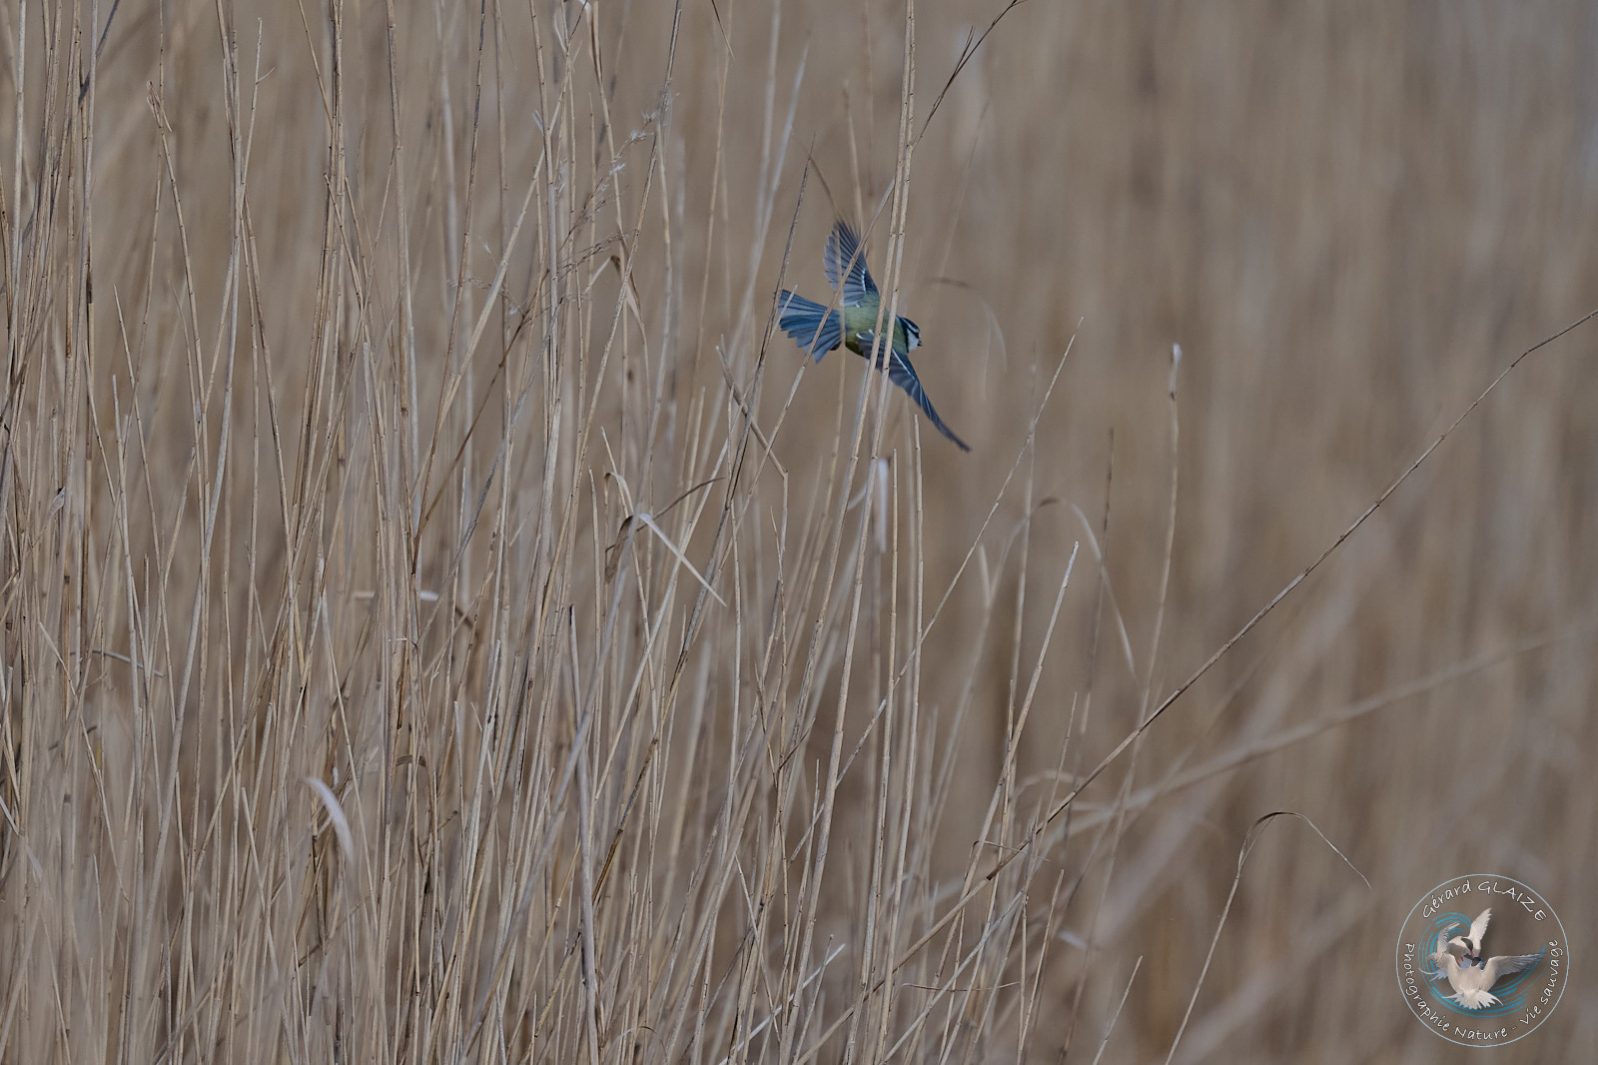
1460, 962
818, 330
1471, 941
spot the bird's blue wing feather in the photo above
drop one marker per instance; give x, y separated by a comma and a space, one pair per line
846, 265
901, 373
814, 328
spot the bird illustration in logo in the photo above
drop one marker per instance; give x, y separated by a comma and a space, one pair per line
1459, 961
818, 330
1471, 941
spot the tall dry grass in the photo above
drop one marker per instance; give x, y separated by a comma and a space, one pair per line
442, 622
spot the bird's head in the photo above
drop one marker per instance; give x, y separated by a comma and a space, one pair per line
912, 334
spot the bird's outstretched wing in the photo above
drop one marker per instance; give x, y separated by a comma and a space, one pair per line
1478, 927
1444, 966
1447, 950
1507, 965
901, 373
1449, 943
814, 328
846, 264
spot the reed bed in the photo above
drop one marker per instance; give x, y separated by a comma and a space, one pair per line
444, 621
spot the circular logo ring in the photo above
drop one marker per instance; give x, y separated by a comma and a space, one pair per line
1471, 989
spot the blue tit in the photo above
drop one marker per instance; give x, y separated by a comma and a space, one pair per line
818, 330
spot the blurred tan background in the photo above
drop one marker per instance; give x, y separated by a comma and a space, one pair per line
1350, 217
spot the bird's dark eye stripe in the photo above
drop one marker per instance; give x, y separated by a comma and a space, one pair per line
911, 328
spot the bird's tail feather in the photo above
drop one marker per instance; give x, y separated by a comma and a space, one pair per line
814, 328
1476, 1000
